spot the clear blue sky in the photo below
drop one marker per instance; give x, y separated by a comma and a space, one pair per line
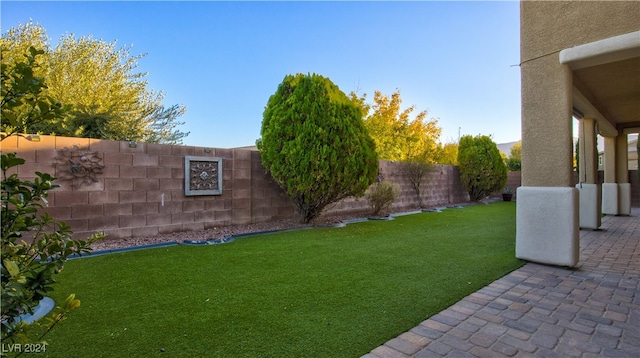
223, 60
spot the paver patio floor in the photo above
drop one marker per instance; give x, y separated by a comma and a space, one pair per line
592, 310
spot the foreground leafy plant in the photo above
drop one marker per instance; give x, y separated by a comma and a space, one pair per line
34, 245
28, 267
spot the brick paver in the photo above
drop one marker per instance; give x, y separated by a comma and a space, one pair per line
592, 310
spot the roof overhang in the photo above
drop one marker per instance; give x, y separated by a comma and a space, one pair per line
613, 49
606, 82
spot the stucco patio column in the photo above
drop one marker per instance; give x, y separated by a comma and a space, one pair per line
569, 65
622, 175
588, 187
616, 189
609, 187
547, 218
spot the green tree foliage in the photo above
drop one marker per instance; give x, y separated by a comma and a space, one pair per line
414, 142
514, 161
34, 246
28, 268
17, 41
447, 154
397, 136
516, 151
482, 169
24, 102
315, 145
109, 99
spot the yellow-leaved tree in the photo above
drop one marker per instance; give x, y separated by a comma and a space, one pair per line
448, 153
398, 137
514, 161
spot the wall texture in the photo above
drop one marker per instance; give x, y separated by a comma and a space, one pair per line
128, 191
547, 27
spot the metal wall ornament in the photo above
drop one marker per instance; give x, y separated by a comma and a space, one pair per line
202, 175
79, 166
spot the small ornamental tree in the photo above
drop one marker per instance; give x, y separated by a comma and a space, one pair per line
482, 169
418, 173
315, 145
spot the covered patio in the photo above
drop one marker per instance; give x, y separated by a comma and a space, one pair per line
591, 310
579, 293
578, 60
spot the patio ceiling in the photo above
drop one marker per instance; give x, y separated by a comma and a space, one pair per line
606, 80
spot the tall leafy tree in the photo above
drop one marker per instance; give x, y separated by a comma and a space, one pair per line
109, 99
516, 151
24, 103
514, 161
447, 154
397, 136
482, 169
314, 144
17, 41
413, 142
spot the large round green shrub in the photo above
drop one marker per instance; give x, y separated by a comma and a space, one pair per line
482, 169
314, 144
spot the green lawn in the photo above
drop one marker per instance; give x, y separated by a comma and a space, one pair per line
330, 292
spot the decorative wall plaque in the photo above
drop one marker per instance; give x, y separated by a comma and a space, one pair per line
202, 175
79, 166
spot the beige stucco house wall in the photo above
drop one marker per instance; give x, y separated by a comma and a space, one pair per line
578, 59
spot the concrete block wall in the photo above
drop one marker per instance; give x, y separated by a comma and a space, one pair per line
268, 201
138, 190
440, 188
514, 180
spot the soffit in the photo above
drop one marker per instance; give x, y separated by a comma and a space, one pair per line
606, 80
614, 90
